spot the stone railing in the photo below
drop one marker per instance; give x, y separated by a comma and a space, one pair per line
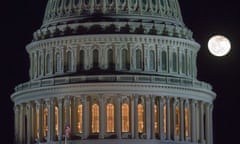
114, 78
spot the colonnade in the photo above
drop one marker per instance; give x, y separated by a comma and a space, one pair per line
118, 116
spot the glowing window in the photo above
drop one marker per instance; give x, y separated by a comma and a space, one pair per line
110, 118
156, 118
79, 118
125, 118
45, 122
95, 118
56, 121
186, 120
165, 119
140, 118
177, 128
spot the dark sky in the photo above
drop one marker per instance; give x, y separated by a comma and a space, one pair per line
20, 18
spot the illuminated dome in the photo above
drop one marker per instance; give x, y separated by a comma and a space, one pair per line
115, 72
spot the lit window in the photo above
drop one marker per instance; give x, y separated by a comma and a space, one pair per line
177, 129
95, 118
45, 122
165, 119
140, 118
125, 118
110, 118
156, 118
186, 119
79, 118
56, 120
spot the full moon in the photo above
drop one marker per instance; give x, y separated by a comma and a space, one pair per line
219, 45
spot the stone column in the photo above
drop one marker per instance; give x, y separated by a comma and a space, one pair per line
74, 107
118, 113
60, 118
148, 119
207, 124
132, 116
168, 134
29, 120
152, 110
201, 105
33, 121
135, 114
193, 121
102, 115
16, 121
67, 109
161, 118
173, 120
40, 119
182, 128
51, 120
211, 123
86, 113
21, 125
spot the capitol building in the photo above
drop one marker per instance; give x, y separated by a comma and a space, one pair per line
115, 72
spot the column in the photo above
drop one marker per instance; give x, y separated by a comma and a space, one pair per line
211, 123
67, 109
29, 133
132, 116
182, 128
201, 105
102, 115
33, 121
168, 134
86, 113
40, 119
135, 114
51, 120
153, 117
73, 115
60, 118
148, 119
22, 124
118, 113
16, 121
161, 118
207, 124
193, 121
173, 119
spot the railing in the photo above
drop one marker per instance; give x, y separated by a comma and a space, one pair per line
114, 78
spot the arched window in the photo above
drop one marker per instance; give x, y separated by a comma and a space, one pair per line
58, 62
177, 121
95, 118
164, 60
152, 60
183, 64
95, 58
174, 58
162, 2
140, 118
110, 118
76, 2
45, 122
186, 121
125, 118
156, 118
80, 118
39, 64
48, 64
165, 118
124, 59
56, 120
110, 58
81, 60
138, 59
69, 61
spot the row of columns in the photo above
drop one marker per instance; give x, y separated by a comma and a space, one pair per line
28, 127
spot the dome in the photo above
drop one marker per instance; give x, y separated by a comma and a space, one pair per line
113, 72
69, 11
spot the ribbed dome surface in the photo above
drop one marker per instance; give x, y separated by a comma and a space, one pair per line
157, 11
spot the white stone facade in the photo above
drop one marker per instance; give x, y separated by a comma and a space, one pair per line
119, 72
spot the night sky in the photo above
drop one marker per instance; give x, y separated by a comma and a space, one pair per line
20, 18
